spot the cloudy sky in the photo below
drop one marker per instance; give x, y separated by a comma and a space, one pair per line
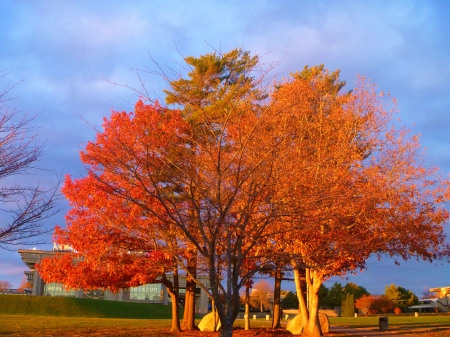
68, 52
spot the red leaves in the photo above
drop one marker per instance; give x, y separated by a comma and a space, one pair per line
107, 271
317, 176
358, 186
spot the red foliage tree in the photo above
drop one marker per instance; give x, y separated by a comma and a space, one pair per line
118, 242
364, 303
359, 186
382, 305
311, 174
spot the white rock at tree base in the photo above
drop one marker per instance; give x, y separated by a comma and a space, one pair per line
295, 326
207, 322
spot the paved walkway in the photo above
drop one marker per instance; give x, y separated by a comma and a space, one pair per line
372, 332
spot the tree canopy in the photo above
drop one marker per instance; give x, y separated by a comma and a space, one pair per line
236, 174
401, 297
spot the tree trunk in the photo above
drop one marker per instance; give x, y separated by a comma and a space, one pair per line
175, 312
226, 329
189, 308
302, 307
312, 328
189, 304
173, 290
214, 312
247, 308
226, 297
276, 320
227, 306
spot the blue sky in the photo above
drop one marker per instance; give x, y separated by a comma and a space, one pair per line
66, 51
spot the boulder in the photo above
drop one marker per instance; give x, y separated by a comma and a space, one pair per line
207, 322
324, 322
295, 325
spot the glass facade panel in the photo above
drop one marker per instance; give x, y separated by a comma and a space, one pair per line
94, 294
147, 292
57, 289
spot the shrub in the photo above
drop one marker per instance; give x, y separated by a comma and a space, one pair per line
382, 304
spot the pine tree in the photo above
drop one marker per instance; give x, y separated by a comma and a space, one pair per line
348, 306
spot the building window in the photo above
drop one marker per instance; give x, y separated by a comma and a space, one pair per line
57, 289
147, 292
94, 294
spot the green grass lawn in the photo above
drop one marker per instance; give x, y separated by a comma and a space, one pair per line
31, 325
58, 316
80, 307
421, 321
34, 325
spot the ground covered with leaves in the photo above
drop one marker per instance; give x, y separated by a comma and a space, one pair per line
61, 326
151, 332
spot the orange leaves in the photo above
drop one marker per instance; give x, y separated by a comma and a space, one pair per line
310, 173
107, 271
358, 185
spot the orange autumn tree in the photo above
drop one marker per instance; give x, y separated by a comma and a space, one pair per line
200, 179
229, 175
363, 303
111, 234
223, 105
362, 180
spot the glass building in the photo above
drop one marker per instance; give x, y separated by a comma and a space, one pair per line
57, 289
148, 293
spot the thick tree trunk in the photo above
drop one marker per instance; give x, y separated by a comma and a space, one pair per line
312, 328
226, 297
227, 306
189, 304
173, 290
189, 307
226, 330
302, 306
276, 320
175, 312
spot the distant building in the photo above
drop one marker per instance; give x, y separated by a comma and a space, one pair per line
148, 293
441, 303
441, 292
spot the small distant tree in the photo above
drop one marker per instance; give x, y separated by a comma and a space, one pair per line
289, 301
24, 284
261, 295
356, 290
401, 297
364, 302
284, 292
429, 294
323, 293
382, 304
348, 306
334, 297
5, 285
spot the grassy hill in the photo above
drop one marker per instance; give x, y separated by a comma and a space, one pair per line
80, 307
